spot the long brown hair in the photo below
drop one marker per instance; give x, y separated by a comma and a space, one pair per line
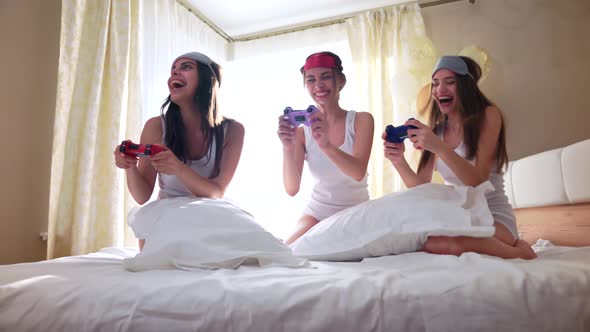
472, 106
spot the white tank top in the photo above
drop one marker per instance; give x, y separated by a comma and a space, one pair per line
171, 186
332, 187
497, 199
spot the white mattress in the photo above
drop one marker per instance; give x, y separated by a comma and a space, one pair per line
410, 292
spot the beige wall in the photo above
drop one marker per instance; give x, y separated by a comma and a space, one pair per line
540, 53
29, 31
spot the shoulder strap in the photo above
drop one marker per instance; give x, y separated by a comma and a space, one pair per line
163, 127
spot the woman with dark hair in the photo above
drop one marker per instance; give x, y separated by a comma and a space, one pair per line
465, 142
202, 147
337, 146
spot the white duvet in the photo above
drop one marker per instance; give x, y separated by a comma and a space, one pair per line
409, 292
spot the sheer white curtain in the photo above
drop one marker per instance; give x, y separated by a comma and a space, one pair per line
96, 102
260, 81
393, 57
167, 31
260, 78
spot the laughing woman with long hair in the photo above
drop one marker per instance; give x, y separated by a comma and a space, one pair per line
202, 147
465, 142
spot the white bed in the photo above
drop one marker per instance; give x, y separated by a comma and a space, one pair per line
408, 292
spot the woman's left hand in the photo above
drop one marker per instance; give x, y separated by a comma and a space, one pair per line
166, 162
319, 128
423, 137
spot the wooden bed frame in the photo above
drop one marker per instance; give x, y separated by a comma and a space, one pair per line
563, 225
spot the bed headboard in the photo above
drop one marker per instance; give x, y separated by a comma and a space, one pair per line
550, 194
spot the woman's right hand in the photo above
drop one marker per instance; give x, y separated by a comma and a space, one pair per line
124, 161
286, 132
393, 151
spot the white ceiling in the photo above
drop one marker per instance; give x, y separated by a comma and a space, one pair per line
247, 18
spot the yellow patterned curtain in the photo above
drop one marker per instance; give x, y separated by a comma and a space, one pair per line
393, 58
97, 103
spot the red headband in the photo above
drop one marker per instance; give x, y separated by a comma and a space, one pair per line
320, 60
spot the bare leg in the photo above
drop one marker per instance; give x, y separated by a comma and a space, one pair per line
303, 225
501, 245
141, 243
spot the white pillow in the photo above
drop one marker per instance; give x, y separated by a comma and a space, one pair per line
189, 232
399, 223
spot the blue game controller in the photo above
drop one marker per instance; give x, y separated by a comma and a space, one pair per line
299, 117
398, 134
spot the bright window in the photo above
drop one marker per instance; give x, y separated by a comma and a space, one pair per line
260, 78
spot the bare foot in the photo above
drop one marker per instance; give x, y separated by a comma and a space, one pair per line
443, 245
526, 251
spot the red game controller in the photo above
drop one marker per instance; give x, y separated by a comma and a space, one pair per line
140, 150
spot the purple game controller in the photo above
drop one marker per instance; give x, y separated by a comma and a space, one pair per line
398, 134
299, 117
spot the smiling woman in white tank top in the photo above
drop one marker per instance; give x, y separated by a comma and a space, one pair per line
336, 146
465, 142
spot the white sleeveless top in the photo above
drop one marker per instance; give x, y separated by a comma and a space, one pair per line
497, 199
171, 186
333, 190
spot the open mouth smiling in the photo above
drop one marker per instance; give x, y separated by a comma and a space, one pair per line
175, 84
445, 100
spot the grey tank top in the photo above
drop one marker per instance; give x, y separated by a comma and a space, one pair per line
497, 199
171, 186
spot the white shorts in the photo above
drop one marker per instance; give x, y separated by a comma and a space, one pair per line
321, 211
505, 217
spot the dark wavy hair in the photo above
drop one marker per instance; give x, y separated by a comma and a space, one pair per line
472, 106
212, 123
